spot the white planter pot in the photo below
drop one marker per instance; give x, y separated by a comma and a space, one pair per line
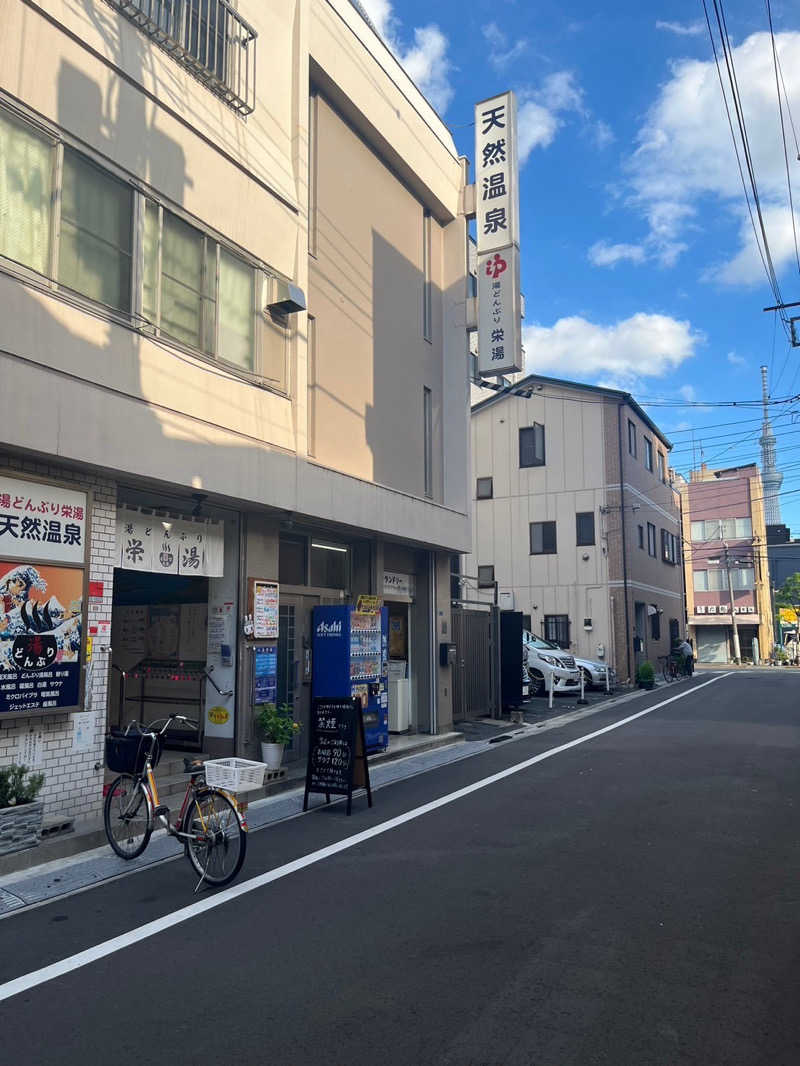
20, 827
272, 755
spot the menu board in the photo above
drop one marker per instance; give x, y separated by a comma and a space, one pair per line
337, 761
264, 609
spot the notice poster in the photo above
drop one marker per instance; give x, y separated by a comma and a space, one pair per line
265, 674
264, 596
40, 637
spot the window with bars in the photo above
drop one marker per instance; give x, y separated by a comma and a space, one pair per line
531, 445
556, 629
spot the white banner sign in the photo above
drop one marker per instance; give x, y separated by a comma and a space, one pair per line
157, 545
41, 522
499, 319
496, 173
395, 584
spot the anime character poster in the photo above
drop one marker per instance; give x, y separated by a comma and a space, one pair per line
40, 637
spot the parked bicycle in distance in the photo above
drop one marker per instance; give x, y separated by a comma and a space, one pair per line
210, 824
669, 668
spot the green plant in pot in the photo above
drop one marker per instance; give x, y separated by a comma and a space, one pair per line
277, 728
645, 675
21, 811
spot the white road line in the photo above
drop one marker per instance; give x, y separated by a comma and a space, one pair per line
134, 936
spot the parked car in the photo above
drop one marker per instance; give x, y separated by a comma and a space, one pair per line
540, 659
594, 671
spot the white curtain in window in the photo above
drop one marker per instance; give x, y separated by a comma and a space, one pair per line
26, 181
96, 233
181, 281
235, 311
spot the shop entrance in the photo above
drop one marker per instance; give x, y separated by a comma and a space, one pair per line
294, 664
399, 667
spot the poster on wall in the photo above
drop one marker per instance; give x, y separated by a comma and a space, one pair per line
40, 636
265, 674
43, 522
264, 601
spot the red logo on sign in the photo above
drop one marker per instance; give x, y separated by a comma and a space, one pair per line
496, 266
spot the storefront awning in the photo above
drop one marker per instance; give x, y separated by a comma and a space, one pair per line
723, 620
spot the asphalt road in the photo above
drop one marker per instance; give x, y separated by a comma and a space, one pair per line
630, 900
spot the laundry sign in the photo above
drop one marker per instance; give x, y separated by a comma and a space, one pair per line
158, 544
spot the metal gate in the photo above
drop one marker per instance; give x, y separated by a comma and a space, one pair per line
472, 670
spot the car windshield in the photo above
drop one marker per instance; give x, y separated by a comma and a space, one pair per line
537, 642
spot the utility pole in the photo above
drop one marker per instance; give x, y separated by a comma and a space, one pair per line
737, 655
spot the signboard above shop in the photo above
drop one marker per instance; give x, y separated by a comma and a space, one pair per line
158, 544
39, 521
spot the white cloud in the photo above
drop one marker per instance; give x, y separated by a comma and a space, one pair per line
603, 254
501, 56
688, 393
683, 29
428, 66
644, 345
684, 169
536, 127
736, 360
425, 61
543, 111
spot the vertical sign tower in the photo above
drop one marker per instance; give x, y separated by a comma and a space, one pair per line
497, 219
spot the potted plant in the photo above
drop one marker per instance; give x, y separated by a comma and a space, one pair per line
21, 812
277, 728
645, 675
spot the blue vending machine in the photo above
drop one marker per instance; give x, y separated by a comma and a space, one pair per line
351, 658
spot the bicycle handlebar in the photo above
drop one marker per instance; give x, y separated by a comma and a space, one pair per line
150, 730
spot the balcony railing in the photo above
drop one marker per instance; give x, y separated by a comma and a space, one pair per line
208, 37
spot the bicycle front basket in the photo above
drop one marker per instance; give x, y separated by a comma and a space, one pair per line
126, 753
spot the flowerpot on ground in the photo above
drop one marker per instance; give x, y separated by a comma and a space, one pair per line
20, 826
272, 754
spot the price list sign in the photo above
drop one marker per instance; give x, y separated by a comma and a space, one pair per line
337, 761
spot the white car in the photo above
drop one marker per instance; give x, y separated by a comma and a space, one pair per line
594, 672
541, 660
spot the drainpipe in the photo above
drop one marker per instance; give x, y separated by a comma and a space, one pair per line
624, 543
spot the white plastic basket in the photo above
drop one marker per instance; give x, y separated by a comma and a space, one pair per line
235, 775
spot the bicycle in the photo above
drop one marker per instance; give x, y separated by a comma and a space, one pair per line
210, 823
669, 668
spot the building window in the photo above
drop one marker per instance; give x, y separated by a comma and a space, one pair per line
584, 531
673, 631
531, 445
313, 170
651, 539
485, 577
427, 287
710, 581
330, 565
641, 536
631, 438
208, 37
526, 622
743, 577
655, 621
669, 547
556, 629
543, 538
196, 291
26, 194
722, 529
427, 419
484, 489
648, 454
311, 384
292, 560
662, 468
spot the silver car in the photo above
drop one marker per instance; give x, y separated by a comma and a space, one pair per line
594, 671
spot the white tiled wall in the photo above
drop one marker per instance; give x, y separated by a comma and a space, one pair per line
73, 787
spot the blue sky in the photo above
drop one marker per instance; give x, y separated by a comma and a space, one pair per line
640, 267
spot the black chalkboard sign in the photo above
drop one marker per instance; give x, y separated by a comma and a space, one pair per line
337, 760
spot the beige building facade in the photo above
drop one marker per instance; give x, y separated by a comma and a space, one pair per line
575, 518
233, 276
729, 604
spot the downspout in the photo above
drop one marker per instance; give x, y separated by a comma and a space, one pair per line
624, 543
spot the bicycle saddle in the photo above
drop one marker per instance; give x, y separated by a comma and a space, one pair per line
192, 766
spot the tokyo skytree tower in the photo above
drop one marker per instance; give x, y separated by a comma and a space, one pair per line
771, 477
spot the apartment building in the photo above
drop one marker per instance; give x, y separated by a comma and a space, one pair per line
575, 519
233, 270
725, 557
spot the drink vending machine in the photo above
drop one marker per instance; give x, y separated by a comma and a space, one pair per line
350, 658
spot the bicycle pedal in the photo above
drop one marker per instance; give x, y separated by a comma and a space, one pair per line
161, 809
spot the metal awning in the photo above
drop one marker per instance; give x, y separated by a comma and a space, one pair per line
723, 620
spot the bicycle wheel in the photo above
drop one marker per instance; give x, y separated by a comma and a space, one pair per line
128, 816
667, 671
218, 847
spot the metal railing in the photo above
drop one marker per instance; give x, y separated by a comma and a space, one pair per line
208, 37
